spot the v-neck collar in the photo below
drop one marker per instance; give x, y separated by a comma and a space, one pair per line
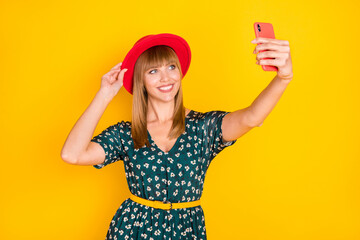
177, 140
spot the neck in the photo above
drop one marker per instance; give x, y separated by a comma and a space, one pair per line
160, 112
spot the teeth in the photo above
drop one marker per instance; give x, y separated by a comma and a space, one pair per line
166, 88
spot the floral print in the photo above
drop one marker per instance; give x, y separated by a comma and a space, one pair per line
177, 176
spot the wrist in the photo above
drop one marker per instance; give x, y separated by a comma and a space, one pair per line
285, 78
104, 95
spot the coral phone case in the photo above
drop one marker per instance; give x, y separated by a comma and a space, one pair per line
265, 30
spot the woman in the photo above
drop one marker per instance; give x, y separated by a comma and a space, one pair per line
166, 149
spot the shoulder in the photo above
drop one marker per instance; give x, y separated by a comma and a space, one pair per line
209, 115
124, 124
209, 119
122, 128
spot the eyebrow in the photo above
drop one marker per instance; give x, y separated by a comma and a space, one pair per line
172, 62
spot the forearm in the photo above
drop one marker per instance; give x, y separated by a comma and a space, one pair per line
266, 101
83, 130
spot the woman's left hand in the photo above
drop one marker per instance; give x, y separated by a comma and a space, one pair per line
277, 49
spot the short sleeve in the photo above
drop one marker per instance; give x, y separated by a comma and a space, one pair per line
212, 134
112, 141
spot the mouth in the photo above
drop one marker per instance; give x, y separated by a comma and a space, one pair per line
166, 88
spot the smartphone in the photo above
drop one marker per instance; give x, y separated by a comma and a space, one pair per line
265, 30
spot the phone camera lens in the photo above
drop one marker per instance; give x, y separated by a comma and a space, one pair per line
259, 28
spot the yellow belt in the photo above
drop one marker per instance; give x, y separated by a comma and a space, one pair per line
163, 205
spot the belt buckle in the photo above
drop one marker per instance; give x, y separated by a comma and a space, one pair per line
167, 201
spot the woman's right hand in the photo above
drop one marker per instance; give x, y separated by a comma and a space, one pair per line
112, 81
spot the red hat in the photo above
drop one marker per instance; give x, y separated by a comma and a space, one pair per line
177, 43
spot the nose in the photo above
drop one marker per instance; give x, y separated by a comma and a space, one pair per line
164, 76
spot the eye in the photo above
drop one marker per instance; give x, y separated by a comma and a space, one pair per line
172, 65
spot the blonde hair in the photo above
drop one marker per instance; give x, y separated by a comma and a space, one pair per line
154, 56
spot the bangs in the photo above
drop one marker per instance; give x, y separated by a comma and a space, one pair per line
158, 56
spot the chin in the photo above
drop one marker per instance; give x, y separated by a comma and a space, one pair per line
168, 98
164, 97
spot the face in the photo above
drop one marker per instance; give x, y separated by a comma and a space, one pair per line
162, 83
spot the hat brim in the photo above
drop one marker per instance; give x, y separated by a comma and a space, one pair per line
177, 43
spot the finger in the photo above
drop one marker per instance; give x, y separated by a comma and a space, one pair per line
271, 54
278, 62
114, 71
269, 46
121, 74
111, 72
270, 40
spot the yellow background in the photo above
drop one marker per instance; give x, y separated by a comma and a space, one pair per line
295, 177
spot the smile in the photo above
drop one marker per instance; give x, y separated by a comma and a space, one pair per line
167, 88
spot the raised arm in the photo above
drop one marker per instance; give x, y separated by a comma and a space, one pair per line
77, 148
236, 124
78, 140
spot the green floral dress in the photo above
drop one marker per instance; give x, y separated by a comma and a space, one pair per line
176, 176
